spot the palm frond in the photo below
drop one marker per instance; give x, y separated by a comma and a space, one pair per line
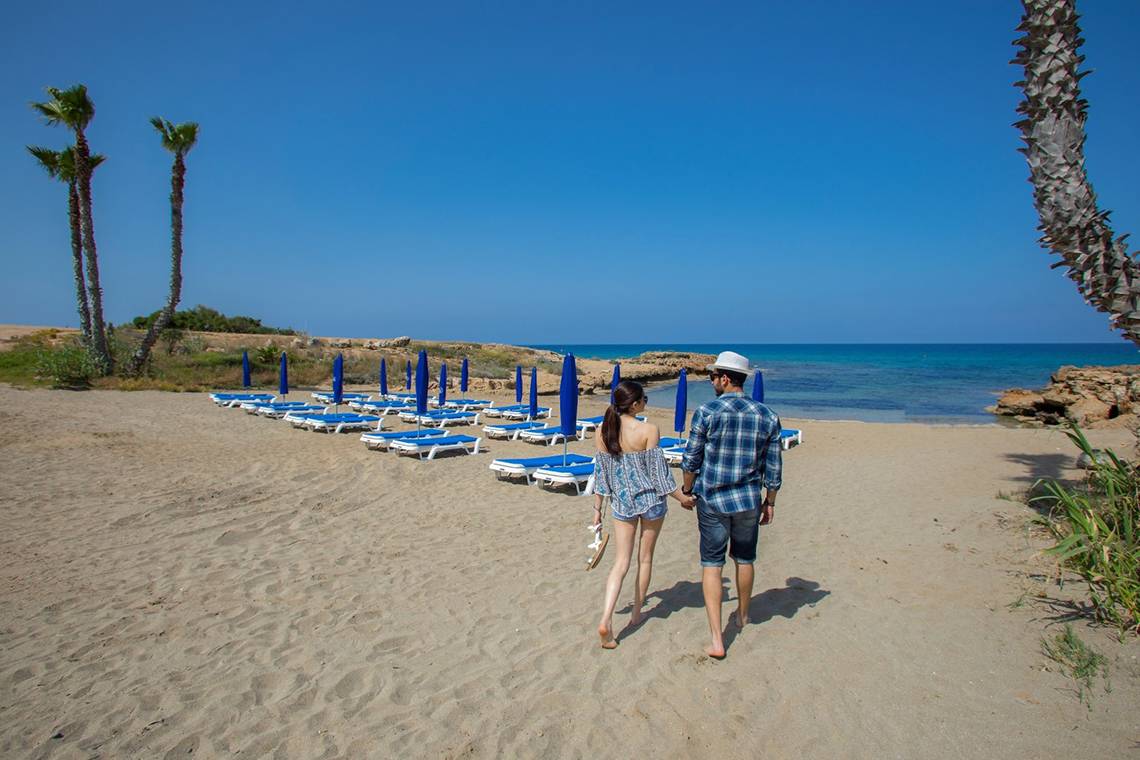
67, 163
71, 107
176, 138
49, 160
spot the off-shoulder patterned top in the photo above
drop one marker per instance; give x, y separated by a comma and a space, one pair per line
636, 481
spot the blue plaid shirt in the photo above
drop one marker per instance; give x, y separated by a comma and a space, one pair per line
734, 446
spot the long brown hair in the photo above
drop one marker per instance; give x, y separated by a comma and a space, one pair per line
626, 394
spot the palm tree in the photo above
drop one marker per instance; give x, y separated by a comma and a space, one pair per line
178, 139
60, 164
1054, 133
74, 110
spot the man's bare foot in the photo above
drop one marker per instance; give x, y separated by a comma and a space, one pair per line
636, 617
715, 651
607, 637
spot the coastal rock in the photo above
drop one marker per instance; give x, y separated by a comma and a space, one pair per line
1091, 397
400, 342
1018, 402
340, 343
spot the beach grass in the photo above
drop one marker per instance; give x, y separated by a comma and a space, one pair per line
1097, 531
1078, 660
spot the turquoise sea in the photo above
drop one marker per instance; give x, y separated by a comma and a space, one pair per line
883, 383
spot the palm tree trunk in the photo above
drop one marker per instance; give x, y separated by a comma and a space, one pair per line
1054, 133
177, 183
99, 345
77, 259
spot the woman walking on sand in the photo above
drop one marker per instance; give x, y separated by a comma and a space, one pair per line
631, 470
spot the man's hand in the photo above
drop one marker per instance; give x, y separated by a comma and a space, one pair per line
767, 512
688, 501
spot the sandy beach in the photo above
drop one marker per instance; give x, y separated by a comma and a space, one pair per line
177, 578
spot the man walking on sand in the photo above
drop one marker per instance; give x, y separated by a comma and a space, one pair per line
733, 451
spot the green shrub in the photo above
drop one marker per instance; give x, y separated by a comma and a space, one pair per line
67, 366
205, 319
1097, 528
267, 354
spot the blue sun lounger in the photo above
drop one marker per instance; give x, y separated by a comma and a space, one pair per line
235, 399
586, 424
466, 404
326, 397
510, 430
341, 423
575, 474
380, 407
428, 448
549, 435
277, 411
499, 411
441, 417
251, 407
524, 414
527, 466
303, 419
408, 397
376, 441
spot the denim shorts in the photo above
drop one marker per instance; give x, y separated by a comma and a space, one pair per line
719, 531
656, 512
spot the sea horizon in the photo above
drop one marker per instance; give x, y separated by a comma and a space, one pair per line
949, 383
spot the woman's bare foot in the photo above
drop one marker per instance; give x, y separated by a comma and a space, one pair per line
715, 651
636, 617
740, 620
606, 635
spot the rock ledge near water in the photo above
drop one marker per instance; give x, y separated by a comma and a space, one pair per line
1091, 397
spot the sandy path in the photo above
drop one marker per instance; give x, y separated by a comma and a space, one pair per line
178, 577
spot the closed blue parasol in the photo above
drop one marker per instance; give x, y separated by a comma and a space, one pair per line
568, 401
245, 383
518, 383
408, 376
682, 409
532, 413
758, 387
383, 377
463, 377
338, 379
442, 384
421, 383
283, 377
615, 380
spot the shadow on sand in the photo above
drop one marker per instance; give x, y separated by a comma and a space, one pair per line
775, 602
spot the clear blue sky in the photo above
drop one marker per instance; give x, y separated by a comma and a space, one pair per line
563, 172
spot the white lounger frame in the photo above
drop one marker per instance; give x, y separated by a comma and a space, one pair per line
544, 477
340, 427
424, 447
532, 436
500, 431
375, 444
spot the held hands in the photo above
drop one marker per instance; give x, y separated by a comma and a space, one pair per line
688, 501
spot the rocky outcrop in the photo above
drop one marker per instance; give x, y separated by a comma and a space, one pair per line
651, 366
1091, 397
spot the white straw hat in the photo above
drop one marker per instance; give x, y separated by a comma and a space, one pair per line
731, 361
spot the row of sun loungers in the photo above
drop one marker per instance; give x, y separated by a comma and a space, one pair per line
431, 440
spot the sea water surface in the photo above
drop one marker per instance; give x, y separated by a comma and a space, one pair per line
946, 383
